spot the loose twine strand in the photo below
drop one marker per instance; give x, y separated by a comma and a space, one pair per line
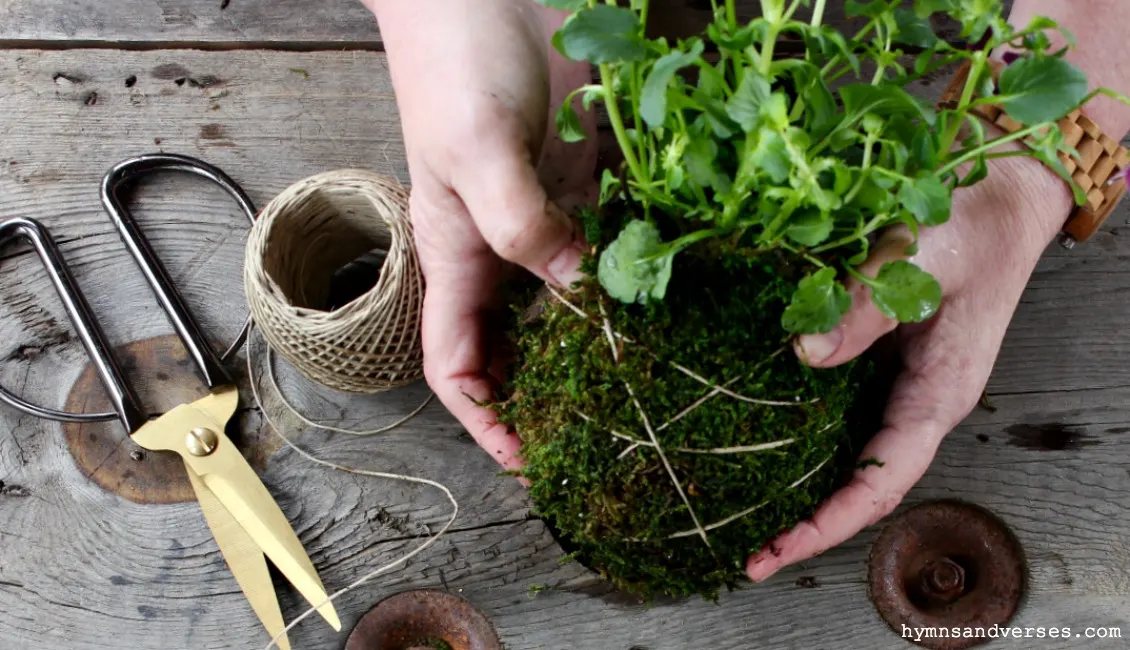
653, 441
277, 430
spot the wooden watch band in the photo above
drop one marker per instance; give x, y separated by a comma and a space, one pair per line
1098, 170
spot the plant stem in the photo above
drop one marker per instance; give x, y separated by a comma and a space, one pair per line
794, 250
836, 59
635, 90
767, 50
963, 105
613, 108
973, 153
791, 11
859, 276
818, 13
787, 210
731, 14
678, 245
643, 13
867, 229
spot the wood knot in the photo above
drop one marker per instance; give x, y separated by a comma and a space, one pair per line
164, 377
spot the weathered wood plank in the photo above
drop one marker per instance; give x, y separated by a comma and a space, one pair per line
138, 583
302, 23
290, 24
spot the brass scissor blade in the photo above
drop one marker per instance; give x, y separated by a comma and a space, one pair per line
237, 487
247, 499
245, 560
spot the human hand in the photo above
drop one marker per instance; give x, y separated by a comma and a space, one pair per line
982, 257
475, 83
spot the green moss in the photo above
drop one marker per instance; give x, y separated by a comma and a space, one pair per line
437, 644
617, 512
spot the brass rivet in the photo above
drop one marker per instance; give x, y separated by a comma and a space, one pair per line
201, 442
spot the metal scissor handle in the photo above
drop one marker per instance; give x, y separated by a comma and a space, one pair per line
211, 367
127, 406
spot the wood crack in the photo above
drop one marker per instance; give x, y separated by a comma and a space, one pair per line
1065, 391
57, 603
408, 538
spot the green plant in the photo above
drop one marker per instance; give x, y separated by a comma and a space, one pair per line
810, 154
668, 430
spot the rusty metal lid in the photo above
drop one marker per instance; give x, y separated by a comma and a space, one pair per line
946, 566
424, 619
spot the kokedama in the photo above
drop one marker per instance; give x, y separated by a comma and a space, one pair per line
669, 429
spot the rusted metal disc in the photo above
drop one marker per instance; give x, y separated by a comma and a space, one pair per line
424, 620
943, 568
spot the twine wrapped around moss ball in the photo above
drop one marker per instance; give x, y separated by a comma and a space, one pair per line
300, 240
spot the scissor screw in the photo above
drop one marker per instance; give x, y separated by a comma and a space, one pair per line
201, 442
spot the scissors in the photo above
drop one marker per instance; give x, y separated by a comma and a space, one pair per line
246, 522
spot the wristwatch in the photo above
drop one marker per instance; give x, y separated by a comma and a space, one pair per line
1099, 169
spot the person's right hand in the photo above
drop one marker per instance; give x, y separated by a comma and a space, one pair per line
477, 84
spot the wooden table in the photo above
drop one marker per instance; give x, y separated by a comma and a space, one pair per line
273, 91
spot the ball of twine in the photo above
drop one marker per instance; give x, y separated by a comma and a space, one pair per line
301, 238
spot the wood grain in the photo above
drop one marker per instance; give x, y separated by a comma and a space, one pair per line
237, 23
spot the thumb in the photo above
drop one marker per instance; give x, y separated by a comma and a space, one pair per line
863, 324
519, 222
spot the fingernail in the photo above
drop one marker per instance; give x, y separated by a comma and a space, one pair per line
759, 570
565, 267
817, 348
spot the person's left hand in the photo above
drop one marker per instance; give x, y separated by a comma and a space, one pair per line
982, 257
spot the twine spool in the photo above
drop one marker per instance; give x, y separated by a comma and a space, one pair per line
300, 240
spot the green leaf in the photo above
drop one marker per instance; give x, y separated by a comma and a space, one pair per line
1036, 90
817, 305
860, 99
905, 292
842, 139
626, 270
821, 109
863, 254
829, 42
744, 107
925, 8
653, 97
738, 40
591, 94
568, 5
558, 39
894, 156
810, 228
927, 198
569, 124
977, 173
609, 185
771, 155
603, 34
873, 124
872, 197
775, 110
870, 9
923, 151
701, 163
913, 30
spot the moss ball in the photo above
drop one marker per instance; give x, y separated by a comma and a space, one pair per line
587, 400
